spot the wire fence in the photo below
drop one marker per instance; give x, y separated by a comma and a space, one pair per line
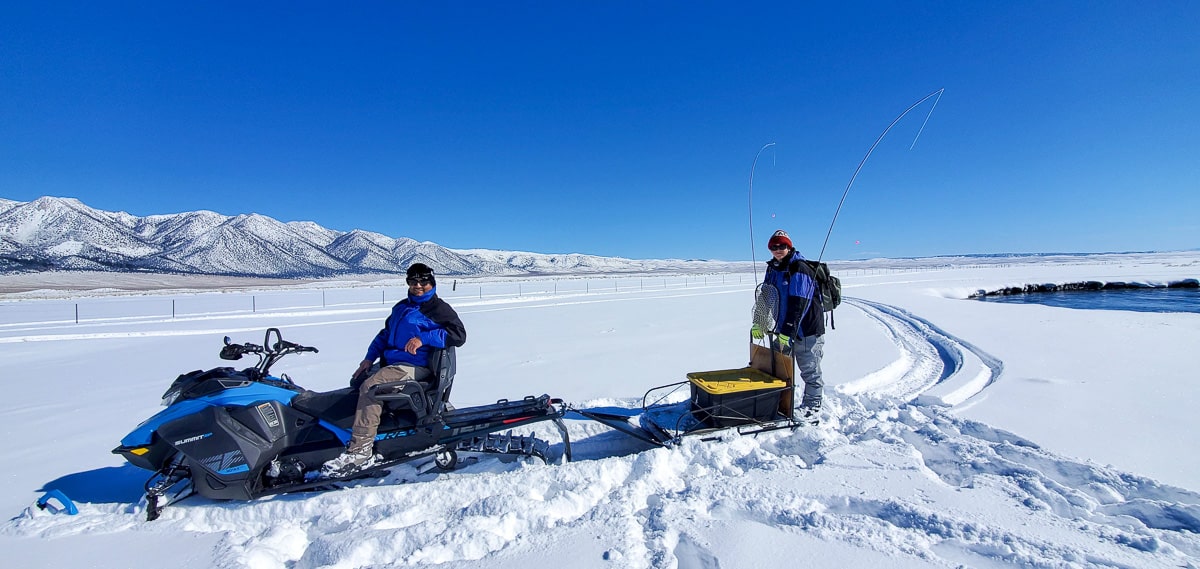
151, 305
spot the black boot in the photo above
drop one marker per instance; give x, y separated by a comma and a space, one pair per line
809, 412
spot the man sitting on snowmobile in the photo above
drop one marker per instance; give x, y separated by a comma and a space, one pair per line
418, 323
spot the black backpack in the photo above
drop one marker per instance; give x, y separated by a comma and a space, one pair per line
829, 287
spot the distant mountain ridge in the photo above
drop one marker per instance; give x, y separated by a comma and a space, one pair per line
53, 233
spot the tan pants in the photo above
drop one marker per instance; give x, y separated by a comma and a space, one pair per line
366, 416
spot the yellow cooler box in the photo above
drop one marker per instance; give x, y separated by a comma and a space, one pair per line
730, 397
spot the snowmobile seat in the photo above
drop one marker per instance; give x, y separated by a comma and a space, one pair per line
404, 403
336, 407
425, 399
444, 364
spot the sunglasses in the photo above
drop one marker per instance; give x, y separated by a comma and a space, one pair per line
419, 281
778, 247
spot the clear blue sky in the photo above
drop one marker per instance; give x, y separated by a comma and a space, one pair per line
621, 128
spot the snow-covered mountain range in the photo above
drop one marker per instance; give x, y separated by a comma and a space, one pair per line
53, 233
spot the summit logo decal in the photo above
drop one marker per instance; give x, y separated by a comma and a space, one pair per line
181, 442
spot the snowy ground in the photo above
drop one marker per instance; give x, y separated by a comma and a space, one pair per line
957, 433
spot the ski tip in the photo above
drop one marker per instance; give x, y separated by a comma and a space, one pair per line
56, 501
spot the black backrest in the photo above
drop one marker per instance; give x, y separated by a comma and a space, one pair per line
443, 363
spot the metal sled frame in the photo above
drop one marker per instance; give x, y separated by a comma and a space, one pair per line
646, 428
686, 424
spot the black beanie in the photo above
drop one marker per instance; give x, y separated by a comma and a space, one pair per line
420, 270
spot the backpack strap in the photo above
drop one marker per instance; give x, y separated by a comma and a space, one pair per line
818, 294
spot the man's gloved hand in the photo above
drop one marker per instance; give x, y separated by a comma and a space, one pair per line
360, 374
756, 332
784, 341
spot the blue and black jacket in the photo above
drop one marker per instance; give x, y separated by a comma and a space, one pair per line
799, 316
427, 317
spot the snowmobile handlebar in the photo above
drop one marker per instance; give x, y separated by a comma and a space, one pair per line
233, 351
268, 353
284, 345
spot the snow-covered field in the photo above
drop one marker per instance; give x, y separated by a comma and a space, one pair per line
956, 433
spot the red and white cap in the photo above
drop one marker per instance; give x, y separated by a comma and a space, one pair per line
780, 236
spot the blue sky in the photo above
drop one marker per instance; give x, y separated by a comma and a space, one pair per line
621, 128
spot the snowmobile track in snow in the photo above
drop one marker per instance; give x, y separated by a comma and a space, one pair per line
934, 366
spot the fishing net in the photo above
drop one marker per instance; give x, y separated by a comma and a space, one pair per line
766, 307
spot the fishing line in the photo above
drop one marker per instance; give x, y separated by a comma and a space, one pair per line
935, 102
938, 93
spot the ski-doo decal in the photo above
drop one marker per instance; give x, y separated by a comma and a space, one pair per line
404, 433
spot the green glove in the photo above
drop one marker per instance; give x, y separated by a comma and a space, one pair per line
756, 332
784, 341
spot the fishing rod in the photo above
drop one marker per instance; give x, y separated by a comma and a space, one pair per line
753, 260
938, 93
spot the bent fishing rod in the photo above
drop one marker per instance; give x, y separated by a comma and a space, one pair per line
753, 260
938, 93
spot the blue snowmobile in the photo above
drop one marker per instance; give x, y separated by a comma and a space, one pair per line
240, 434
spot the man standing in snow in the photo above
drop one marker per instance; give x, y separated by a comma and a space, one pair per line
418, 323
800, 323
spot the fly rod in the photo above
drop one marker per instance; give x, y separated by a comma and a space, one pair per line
753, 260
938, 93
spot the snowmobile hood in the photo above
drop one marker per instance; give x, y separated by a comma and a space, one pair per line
240, 397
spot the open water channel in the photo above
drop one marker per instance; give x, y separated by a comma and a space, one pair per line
1136, 299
